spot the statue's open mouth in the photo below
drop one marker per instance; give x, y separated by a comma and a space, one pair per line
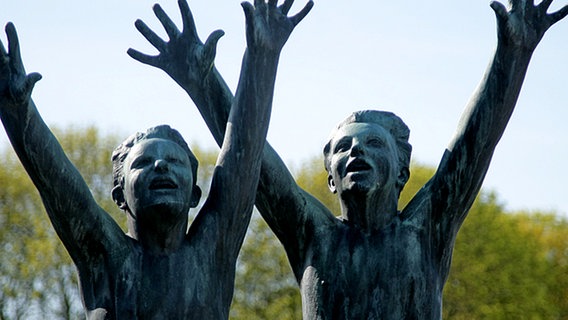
358, 165
162, 183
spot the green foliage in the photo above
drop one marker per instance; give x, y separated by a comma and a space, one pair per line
509, 266
20, 234
499, 269
264, 287
419, 175
207, 159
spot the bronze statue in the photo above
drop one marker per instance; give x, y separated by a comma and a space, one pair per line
374, 262
160, 269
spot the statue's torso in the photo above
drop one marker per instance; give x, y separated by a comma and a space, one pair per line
388, 274
187, 284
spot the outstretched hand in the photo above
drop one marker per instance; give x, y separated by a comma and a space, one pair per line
184, 57
15, 86
268, 26
189, 61
524, 24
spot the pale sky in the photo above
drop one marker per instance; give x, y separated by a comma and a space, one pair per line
418, 59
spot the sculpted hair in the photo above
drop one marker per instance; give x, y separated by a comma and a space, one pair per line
160, 132
389, 121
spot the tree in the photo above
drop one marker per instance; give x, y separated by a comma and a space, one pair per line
264, 286
551, 233
499, 270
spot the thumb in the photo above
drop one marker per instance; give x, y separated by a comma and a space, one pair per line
210, 49
248, 9
210, 46
31, 80
499, 9
29, 84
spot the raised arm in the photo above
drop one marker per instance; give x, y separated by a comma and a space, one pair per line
235, 178
80, 223
190, 63
466, 160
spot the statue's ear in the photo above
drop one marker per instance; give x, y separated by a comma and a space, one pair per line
118, 197
402, 179
195, 196
331, 184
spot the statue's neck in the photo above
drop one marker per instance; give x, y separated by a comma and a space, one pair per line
156, 234
369, 210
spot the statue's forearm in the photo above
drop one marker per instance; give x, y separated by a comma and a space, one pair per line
64, 192
277, 186
75, 215
38, 149
519, 30
466, 161
213, 100
241, 152
492, 104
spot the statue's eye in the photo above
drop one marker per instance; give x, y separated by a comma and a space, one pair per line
342, 146
174, 160
375, 142
141, 162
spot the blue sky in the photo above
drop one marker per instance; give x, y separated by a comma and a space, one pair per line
419, 60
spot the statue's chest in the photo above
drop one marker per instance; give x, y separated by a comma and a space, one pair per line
350, 269
354, 251
161, 286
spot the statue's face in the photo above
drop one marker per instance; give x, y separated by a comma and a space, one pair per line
157, 173
363, 158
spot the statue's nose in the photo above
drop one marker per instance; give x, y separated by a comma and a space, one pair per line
161, 165
357, 149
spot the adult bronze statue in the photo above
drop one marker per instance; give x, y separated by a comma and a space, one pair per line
160, 269
374, 262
